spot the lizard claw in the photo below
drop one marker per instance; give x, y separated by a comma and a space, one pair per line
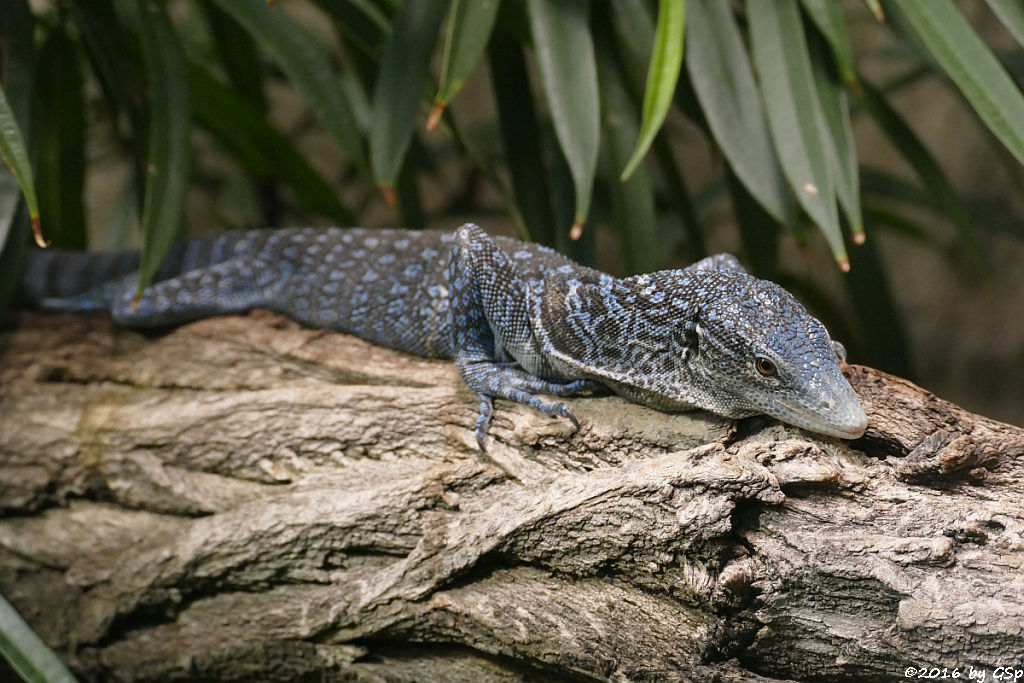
564, 411
484, 421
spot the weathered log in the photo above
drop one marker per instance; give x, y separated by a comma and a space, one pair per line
245, 499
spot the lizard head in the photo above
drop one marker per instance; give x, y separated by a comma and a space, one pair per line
714, 338
768, 355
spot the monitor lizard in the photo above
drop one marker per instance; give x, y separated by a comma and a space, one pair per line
518, 319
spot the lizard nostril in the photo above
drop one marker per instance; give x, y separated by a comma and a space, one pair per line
827, 404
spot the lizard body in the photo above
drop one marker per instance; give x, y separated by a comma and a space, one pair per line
518, 319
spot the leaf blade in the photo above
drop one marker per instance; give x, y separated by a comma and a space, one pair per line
632, 201
470, 23
794, 114
26, 652
59, 139
662, 77
238, 125
827, 15
308, 70
971, 66
568, 71
722, 78
1011, 13
400, 85
15, 155
907, 143
169, 151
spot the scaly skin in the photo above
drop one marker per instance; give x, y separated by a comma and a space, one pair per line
518, 319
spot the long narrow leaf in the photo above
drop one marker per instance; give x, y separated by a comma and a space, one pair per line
117, 65
361, 21
794, 113
724, 83
565, 58
60, 140
521, 136
838, 138
400, 85
238, 54
25, 651
308, 69
873, 305
1011, 13
635, 29
15, 155
971, 66
632, 200
827, 15
666, 61
239, 126
169, 154
924, 164
16, 55
678, 196
469, 26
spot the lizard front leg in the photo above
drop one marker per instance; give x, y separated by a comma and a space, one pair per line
490, 309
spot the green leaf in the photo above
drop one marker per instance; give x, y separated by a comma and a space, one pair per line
521, 136
469, 26
677, 195
971, 66
876, 8
169, 153
307, 67
1011, 13
16, 56
720, 72
565, 59
239, 126
361, 22
838, 137
924, 164
873, 305
59, 140
827, 15
666, 61
760, 235
15, 155
26, 652
116, 63
794, 113
400, 84
238, 54
632, 200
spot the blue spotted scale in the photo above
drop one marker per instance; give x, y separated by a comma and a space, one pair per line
519, 320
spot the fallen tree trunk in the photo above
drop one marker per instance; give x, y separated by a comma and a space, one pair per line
246, 499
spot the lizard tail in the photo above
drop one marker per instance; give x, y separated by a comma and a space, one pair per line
73, 281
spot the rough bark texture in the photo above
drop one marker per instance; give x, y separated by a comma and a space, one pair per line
245, 499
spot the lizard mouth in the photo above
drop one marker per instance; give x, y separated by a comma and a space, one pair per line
843, 419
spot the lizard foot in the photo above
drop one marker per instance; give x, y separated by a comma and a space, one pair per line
551, 409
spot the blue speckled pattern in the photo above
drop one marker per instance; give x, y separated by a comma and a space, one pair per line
518, 319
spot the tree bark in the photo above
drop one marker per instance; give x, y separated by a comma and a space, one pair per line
246, 499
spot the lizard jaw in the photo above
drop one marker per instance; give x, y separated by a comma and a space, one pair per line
844, 419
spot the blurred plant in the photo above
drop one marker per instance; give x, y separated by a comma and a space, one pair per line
580, 130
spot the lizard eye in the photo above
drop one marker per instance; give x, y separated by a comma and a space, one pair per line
765, 366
